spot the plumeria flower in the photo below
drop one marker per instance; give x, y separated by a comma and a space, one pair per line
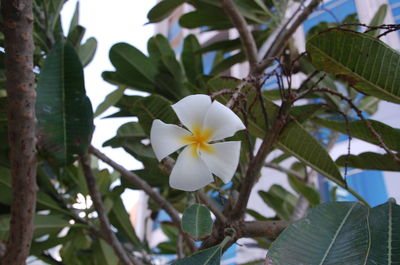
204, 154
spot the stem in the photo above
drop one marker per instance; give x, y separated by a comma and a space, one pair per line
143, 185
283, 37
99, 207
211, 205
248, 42
269, 229
21, 96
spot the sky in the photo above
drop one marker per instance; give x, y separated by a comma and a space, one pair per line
110, 22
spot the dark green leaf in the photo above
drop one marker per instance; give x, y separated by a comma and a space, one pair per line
64, 112
228, 63
131, 62
209, 256
359, 129
201, 18
331, 234
196, 220
163, 9
280, 200
369, 160
384, 222
366, 63
120, 219
308, 192
192, 61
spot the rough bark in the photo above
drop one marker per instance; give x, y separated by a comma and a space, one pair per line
18, 22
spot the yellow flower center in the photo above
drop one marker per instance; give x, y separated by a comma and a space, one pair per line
199, 140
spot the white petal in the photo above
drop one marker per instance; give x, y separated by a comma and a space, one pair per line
222, 121
190, 173
166, 138
191, 110
223, 159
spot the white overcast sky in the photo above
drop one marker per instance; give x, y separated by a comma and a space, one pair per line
110, 22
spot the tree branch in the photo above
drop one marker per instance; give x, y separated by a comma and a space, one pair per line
270, 229
248, 42
283, 37
104, 222
143, 185
21, 96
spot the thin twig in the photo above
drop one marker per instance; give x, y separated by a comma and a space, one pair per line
211, 205
99, 207
283, 37
284, 170
361, 116
143, 185
248, 42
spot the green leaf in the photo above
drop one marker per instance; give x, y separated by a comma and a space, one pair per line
359, 129
228, 63
209, 256
308, 192
332, 233
109, 101
201, 18
87, 51
120, 219
76, 35
369, 160
196, 220
297, 141
378, 19
384, 222
75, 18
154, 107
163, 9
280, 200
44, 224
130, 62
366, 63
369, 104
64, 112
104, 254
191, 60
44, 201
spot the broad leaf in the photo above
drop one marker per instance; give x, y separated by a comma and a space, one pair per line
331, 234
163, 9
209, 256
131, 63
366, 63
64, 112
384, 222
369, 160
196, 220
359, 129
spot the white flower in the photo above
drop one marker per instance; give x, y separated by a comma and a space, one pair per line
206, 122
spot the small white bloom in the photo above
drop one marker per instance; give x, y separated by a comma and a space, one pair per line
206, 122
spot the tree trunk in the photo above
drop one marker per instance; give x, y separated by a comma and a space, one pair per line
21, 95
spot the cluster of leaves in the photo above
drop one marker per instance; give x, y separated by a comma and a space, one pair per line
356, 67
